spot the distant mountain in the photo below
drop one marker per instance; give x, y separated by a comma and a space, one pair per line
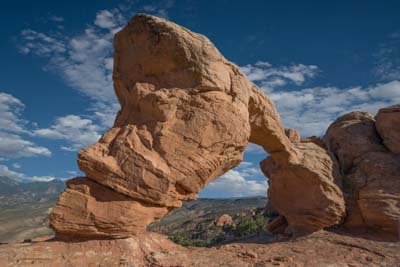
24, 207
30, 190
8, 186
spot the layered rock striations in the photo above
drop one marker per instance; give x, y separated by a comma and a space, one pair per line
186, 116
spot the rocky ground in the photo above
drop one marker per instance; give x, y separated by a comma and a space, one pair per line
319, 249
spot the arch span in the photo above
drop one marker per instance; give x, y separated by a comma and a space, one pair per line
186, 116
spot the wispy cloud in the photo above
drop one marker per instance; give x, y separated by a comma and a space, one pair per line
388, 59
14, 131
56, 18
5, 171
85, 63
245, 180
77, 131
270, 77
311, 110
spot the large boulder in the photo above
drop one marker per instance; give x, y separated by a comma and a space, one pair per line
375, 190
351, 136
388, 127
88, 209
307, 193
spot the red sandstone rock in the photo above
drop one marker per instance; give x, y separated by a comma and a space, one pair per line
375, 184
306, 193
293, 135
351, 136
88, 209
186, 116
150, 249
388, 127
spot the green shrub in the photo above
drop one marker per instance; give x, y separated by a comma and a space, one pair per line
250, 225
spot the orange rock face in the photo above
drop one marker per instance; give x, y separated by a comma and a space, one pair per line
371, 172
388, 127
307, 193
186, 116
379, 197
293, 135
351, 136
88, 209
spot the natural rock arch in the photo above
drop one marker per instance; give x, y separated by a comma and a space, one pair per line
186, 116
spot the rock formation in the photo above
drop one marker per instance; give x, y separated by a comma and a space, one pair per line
351, 136
371, 182
307, 193
224, 220
388, 127
186, 116
293, 135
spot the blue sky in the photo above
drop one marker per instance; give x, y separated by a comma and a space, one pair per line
315, 59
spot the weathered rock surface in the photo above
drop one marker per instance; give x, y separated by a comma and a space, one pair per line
388, 127
351, 136
186, 116
371, 180
150, 249
293, 135
90, 210
306, 193
375, 184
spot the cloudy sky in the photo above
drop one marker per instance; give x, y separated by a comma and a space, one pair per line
316, 61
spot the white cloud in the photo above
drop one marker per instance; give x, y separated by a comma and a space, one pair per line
42, 178
388, 59
254, 149
270, 77
85, 60
13, 128
13, 146
105, 19
16, 165
312, 110
240, 182
57, 18
5, 171
10, 111
75, 130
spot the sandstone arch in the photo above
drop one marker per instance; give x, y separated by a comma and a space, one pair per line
186, 116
